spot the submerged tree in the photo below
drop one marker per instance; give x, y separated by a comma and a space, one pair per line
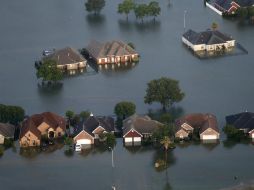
154, 9
95, 6
124, 109
48, 71
141, 11
214, 26
166, 91
126, 7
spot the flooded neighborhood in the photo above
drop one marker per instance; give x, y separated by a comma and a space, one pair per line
142, 95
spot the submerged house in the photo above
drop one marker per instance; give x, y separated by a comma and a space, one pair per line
111, 52
205, 124
88, 131
7, 131
230, 6
34, 128
68, 60
137, 128
242, 121
209, 40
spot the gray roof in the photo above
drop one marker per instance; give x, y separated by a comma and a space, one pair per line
65, 56
113, 48
245, 3
225, 4
7, 130
208, 37
92, 122
142, 124
244, 120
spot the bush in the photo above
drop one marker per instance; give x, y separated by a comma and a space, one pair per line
68, 141
233, 133
8, 143
110, 140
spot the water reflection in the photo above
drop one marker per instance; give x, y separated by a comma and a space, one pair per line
231, 143
175, 112
95, 20
49, 89
109, 69
146, 26
33, 152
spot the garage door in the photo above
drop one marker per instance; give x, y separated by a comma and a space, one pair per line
253, 135
128, 139
209, 137
137, 139
84, 141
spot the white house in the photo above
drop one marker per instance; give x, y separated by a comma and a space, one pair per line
210, 40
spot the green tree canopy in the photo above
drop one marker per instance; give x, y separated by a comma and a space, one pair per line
166, 91
126, 7
124, 109
233, 133
11, 114
84, 114
48, 71
242, 13
95, 6
154, 9
141, 11
69, 114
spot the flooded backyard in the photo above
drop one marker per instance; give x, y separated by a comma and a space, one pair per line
220, 86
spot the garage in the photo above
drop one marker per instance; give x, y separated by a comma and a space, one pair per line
209, 137
128, 139
84, 141
137, 139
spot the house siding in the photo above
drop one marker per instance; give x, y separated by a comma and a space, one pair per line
209, 132
83, 135
1, 139
181, 134
29, 139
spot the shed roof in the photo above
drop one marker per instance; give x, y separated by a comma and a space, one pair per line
7, 130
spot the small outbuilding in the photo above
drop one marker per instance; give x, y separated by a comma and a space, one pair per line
6, 132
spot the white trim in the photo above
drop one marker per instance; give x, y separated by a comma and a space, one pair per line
81, 132
97, 128
213, 8
211, 129
133, 131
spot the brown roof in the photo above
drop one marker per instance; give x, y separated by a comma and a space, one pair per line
113, 48
142, 124
65, 56
31, 124
200, 121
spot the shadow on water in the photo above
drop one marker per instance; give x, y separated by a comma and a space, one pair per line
163, 161
229, 144
49, 89
174, 111
146, 26
95, 20
112, 69
33, 152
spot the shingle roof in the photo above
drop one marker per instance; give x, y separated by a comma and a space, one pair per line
113, 48
92, 122
207, 37
7, 130
34, 121
245, 3
142, 124
199, 121
244, 120
65, 56
225, 4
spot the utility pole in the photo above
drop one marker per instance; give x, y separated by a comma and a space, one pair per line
113, 165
